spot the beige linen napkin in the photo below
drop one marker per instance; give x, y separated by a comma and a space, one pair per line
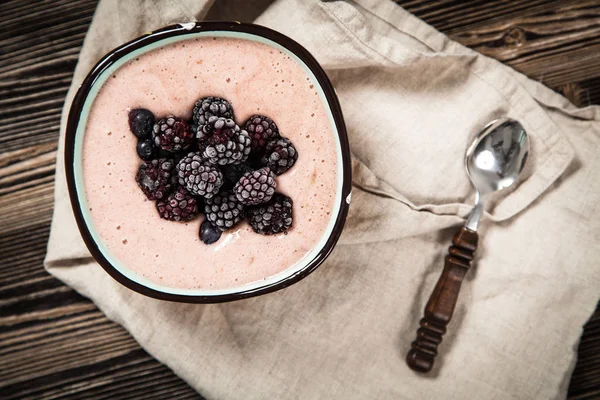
412, 101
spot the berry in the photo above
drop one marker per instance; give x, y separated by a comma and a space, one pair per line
272, 217
209, 233
154, 178
233, 172
208, 109
224, 210
226, 144
145, 149
172, 134
255, 187
222, 129
200, 178
141, 122
280, 155
179, 206
261, 130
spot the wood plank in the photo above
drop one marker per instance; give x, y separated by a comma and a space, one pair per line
136, 371
42, 117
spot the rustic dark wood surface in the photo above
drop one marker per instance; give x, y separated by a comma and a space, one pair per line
54, 344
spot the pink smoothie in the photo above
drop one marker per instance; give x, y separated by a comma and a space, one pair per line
257, 79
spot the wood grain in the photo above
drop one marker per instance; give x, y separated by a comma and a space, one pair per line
55, 344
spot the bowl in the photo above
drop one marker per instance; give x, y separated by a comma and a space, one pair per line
91, 225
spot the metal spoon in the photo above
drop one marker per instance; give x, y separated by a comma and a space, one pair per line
494, 161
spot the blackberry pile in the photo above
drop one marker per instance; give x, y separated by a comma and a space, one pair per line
213, 166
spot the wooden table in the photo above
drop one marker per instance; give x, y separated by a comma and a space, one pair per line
55, 344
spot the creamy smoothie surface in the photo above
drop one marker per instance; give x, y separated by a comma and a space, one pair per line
256, 79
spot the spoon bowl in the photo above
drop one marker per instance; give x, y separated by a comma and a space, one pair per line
497, 156
495, 160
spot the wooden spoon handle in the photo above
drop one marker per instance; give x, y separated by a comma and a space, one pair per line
442, 301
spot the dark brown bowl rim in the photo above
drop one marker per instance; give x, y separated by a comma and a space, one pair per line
176, 30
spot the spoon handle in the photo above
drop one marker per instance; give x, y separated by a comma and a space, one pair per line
442, 301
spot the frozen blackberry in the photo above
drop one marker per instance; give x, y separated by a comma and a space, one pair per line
261, 130
208, 109
226, 144
145, 149
200, 178
280, 155
141, 122
209, 233
172, 134
224, 210
222, 129
154, 178
272, 217
179, 206
255, 187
